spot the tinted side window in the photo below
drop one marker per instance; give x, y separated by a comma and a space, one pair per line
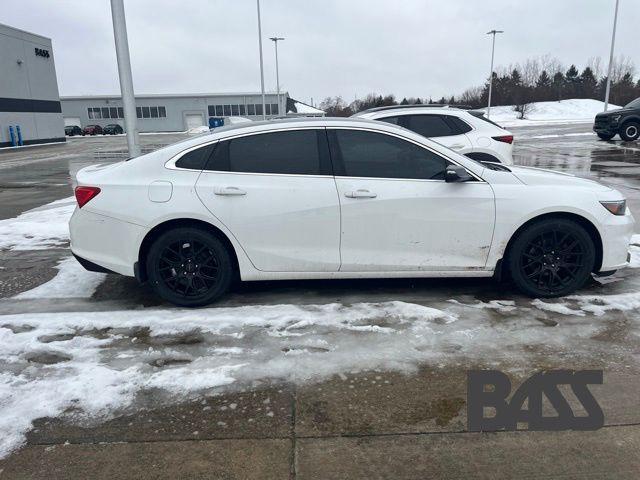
369, 154
429, 125
297, 152
393, 120
460, 125
195, 159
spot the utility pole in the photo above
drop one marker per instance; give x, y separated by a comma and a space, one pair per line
275, 40
264, 106
613, 43
126, 79
493, 49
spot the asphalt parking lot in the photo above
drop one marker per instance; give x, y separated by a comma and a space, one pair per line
341, 379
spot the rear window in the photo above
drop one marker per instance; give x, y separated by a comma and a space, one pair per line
429, 125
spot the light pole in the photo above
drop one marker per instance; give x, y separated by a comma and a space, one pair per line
275, 40
126, 79
493, 49
264, 110
613, 43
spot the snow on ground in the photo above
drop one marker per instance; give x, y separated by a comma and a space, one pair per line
72, 281
95, 364
577, 110
40, 228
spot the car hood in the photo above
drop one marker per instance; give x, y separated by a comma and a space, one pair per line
616, 111
539, 176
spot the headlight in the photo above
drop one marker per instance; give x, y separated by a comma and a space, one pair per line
617, 207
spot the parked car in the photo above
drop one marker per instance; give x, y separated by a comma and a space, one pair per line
92, 130
112, 129
621, 121
71, 130
467, 132
339, 198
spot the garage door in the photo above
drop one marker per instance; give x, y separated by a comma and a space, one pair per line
70, 121
194, 120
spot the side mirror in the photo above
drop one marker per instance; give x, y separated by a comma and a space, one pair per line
456, 173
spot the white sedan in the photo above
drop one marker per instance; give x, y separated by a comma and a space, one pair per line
339, 198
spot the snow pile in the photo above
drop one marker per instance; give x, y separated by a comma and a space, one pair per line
564, 111
198, 130
304, 109
72, 281
236, 120
40, 228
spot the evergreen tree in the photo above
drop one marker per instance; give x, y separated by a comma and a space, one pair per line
404, 101
543, 90
588, 84
572, 82
558, 86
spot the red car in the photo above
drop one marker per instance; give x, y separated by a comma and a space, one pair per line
92, 130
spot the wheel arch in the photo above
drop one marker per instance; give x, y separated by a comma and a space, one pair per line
155, 232
584, 222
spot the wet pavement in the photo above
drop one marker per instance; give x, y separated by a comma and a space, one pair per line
392, 406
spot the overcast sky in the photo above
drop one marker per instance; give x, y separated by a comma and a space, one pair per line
425, 48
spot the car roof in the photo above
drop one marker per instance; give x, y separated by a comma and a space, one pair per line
437, 106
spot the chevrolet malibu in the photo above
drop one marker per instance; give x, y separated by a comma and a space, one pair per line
339, 198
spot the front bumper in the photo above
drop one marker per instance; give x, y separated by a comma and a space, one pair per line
105, 242
616, 235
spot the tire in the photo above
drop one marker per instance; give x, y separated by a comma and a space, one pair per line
630, 131
606, 137
551, 258
189, 267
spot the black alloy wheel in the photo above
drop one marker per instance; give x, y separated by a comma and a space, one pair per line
189, 267
551, 258
630, 131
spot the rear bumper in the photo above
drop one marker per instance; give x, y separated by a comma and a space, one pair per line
104, 242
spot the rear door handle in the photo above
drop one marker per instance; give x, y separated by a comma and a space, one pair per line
360, 194
229, 191
457, 146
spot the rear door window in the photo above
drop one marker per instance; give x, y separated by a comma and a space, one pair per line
298, 152
195, 159
429, 125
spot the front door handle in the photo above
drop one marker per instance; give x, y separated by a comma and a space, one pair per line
457, 146
360, 194
229, 191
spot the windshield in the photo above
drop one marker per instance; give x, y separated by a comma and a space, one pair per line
634, 104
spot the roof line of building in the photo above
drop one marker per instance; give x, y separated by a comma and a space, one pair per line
23, 31
169, 95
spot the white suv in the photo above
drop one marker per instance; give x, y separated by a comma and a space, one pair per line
466, 131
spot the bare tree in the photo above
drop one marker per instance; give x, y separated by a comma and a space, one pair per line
595, 64
523, 109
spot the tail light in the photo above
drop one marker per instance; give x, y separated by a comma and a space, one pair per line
504, 138
84, 194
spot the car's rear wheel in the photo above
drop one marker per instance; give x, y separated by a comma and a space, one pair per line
607, 136
630, 131
189, 267
551, 258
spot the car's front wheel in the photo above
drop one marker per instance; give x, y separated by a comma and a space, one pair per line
630, 131
189, 267
551, 258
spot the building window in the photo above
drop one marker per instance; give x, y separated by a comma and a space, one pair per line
242, 110
120, 112
274, 109
97, 113
258, 109
105, 112
154, 112
227, 110
113, 112
90, 113
145, 112
211, 110
267, 108
139, 112
235, 111
162, 112
251, 109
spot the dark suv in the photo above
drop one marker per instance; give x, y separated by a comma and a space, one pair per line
624, 121
72, 130
112, 129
